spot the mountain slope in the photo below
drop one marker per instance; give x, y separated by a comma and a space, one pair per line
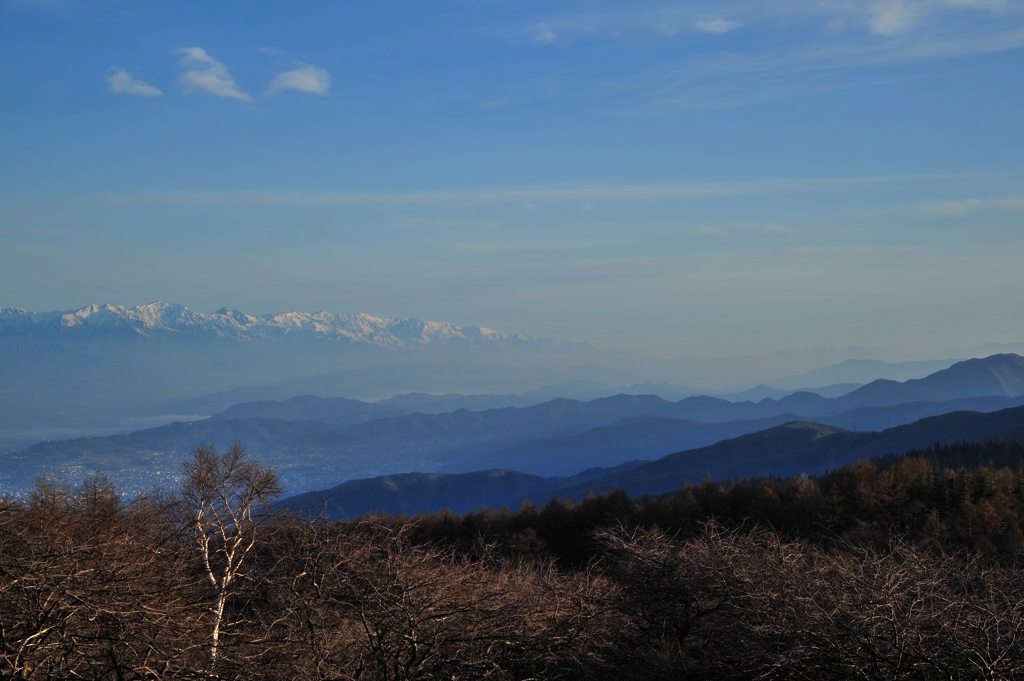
793, 448
880, 418
997, 375
395, 493
440, 404
416, 492
338, 411
804, 447
653, 435
769, 452
862, 371
648, 437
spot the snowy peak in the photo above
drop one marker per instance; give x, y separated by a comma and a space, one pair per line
167, 320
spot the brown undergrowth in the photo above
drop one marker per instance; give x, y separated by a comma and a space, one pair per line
899, 569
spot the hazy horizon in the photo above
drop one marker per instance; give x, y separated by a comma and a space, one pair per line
817, 357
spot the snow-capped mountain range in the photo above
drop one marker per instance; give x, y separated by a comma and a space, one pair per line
167, 320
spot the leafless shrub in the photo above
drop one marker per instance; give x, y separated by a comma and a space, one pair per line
89, 587
751, 605
365, 604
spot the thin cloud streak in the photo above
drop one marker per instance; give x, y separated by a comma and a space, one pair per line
729, 79
821, 38
877, 17
695, 190
1013, 204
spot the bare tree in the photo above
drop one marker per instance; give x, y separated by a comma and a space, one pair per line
362, 603
89, 586
223, 495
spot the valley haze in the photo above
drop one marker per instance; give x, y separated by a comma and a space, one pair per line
107, 368
315, 440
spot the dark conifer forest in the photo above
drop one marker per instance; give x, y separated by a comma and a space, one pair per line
904, 567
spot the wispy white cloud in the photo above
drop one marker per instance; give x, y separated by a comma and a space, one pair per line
736, 79
716, 25
543, 35
1014, 204
891, 17
718, 231
818, 40
122, 83
207, 74
311, 79
888, 17
1010, 203
874, 17
944, 208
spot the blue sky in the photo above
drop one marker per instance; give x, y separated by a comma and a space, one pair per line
683, 178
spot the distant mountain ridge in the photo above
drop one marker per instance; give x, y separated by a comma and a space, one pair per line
162, 319
558, 438
996, 375
316, 440
440, 404
862, 371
